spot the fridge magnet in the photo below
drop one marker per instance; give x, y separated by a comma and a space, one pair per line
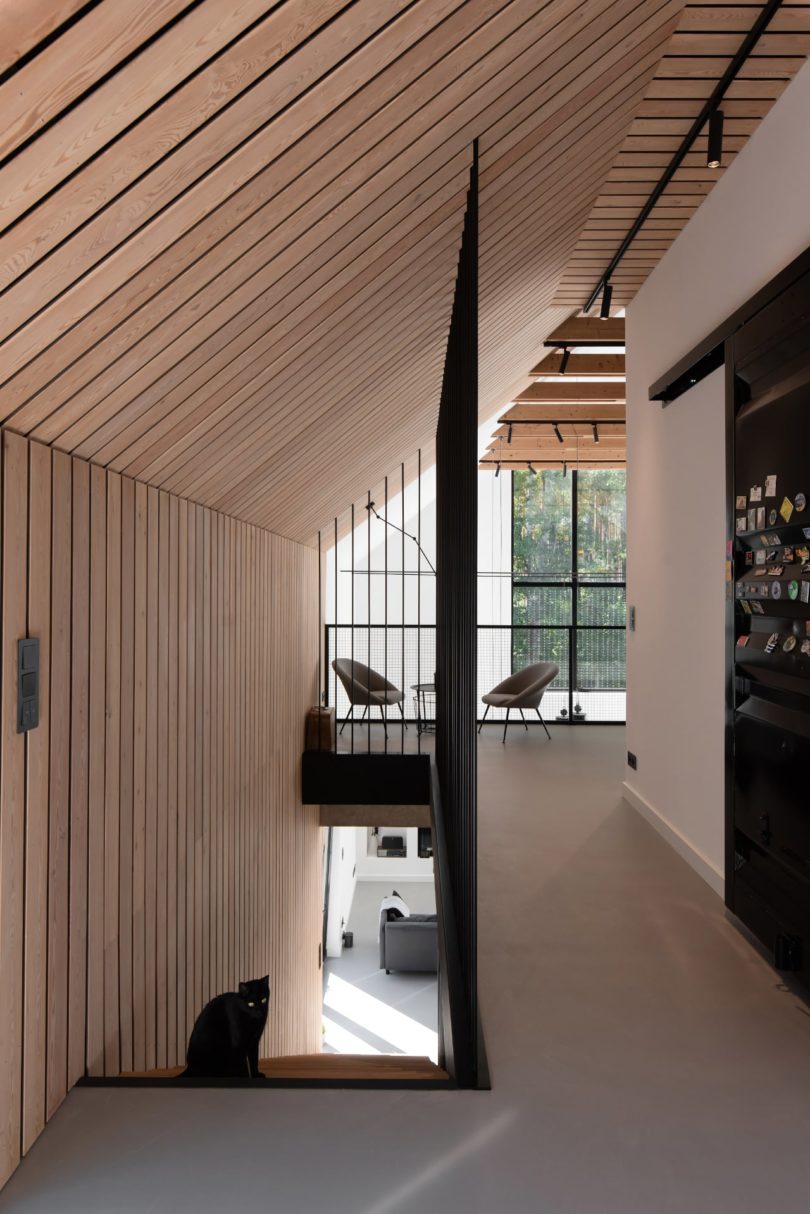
770, 486
787, 556
775, 571
764, 540
806, 648
793, 589
789, 645
772, 517
800, 502
746, 606
772, 642
764, 591
739, 590
773, 538
759, 556
806, 532
757, 608
752, 519
756, 493
786, 509
776, 590
743, 640
749, 556
742, 502
806, 567
805, 592
803, 554
741, 522
807, 627
760, 517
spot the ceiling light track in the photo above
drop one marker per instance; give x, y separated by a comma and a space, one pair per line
709, 108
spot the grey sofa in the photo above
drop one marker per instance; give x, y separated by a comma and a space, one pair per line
408, 943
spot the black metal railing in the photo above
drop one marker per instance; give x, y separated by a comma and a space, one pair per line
591, 658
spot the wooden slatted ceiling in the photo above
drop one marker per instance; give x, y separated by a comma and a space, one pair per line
567, 418
707, 37
224, 226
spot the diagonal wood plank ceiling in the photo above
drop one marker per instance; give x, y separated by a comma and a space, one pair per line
229, 232
707, 37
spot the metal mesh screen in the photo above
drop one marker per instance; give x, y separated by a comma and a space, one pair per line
408, 656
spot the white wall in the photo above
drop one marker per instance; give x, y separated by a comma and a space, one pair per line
755, 221
371, 867
342, 883
494, 547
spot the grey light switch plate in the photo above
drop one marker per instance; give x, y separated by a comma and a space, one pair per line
27, 684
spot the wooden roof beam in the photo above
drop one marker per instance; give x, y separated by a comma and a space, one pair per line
580, 364
588, 331
560, 392
583, 413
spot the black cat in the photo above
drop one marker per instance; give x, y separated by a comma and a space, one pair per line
224, 1042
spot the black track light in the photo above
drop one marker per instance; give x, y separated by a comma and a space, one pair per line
595, 429
714, 155
607, 293
565, 468
566, 354
556, 430
509, 435
497, 469
531, 469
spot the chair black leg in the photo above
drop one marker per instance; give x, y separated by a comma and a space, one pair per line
402, 713
523, 719
484, 717
542, 722
505, 724
365, 710
385, 723
345, 719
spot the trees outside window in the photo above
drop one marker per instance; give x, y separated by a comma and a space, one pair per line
569, 560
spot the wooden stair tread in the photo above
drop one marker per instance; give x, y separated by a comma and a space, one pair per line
384, 1067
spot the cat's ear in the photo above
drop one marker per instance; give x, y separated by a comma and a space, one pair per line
265, 981
243, 990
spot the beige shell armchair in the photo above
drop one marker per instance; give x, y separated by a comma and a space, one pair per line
365, 686
522, 690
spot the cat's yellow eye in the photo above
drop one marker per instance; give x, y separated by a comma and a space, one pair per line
250, 1005
264, 1001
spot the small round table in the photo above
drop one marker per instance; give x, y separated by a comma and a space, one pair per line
423, 691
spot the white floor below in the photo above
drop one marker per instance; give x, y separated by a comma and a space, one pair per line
367, 1011
644, 1058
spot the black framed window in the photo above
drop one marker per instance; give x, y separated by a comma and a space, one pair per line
569, 561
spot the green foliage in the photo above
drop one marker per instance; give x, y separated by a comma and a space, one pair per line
542, 550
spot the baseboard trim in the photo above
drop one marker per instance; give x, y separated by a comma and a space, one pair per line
702, 866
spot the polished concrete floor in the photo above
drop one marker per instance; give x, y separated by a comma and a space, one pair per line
644, 1058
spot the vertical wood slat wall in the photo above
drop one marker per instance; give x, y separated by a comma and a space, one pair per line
153, 846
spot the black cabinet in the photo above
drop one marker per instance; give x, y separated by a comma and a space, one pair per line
768, 704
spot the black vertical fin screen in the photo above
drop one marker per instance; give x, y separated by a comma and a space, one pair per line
456, 549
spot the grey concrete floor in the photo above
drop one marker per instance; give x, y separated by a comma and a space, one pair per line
645, 1059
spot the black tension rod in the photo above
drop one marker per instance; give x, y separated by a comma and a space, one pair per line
746, 47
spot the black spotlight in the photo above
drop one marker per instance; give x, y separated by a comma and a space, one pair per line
714, 156
607, 293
